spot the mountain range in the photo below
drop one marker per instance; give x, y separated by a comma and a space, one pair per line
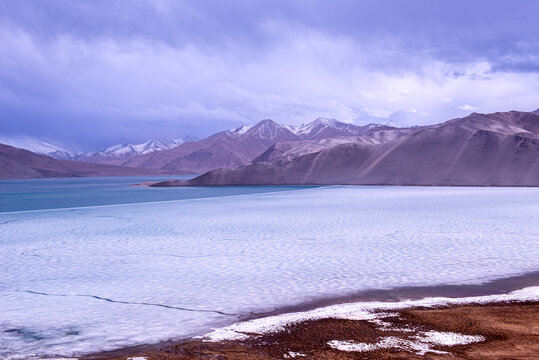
118, 154
480, 149
188, 155
500, 149
238, 147
18, 163
112, 154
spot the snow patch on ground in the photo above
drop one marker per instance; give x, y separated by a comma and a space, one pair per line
386, 326
359, 347
362, 311
420, 346
448, 338
293, 354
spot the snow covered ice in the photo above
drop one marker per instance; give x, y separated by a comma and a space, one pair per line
97, 278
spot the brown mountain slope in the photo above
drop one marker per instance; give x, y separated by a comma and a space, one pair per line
289, 150
225, 149
17, 163
500, 149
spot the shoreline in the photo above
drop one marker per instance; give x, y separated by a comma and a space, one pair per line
491, 287
184, 183
402, 295
492, 330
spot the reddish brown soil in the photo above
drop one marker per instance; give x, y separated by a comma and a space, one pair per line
511, 331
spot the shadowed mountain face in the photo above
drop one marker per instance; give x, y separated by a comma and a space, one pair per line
230, 149
17, 163
500, 149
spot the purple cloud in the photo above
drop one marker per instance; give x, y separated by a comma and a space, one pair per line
100, 72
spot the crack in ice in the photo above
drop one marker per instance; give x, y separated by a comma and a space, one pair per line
8, 221
132, 303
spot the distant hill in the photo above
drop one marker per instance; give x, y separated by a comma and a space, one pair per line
500, 149
113, 155
19, 163
39, 146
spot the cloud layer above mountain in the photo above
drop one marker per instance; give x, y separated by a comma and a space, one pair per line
102, 72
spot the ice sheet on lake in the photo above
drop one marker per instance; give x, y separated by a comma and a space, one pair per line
80, 280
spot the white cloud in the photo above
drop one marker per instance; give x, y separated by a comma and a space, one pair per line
466, 107
300, 76
379, 113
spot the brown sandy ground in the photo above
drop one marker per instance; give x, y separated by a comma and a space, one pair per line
511, 331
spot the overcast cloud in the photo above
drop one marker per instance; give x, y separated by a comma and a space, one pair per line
94, 73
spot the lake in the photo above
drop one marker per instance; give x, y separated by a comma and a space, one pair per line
96, 264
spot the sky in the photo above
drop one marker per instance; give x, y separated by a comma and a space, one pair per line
90, 74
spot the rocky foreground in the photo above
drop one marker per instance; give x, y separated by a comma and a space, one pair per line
471, 331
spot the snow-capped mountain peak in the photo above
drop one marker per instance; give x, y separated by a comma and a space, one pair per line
154, 145
118, 151
317, 129
266, 129
316, 126
327, 127
327, 122
125, 151
158, 144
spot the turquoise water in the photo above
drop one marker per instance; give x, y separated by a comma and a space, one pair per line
40, 194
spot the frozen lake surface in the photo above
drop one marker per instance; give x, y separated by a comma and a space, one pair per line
88, 279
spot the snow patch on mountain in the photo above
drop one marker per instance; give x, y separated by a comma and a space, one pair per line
265, 129
122, 151
316, 127
241, 130
319, 128
38, 146
327, 127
